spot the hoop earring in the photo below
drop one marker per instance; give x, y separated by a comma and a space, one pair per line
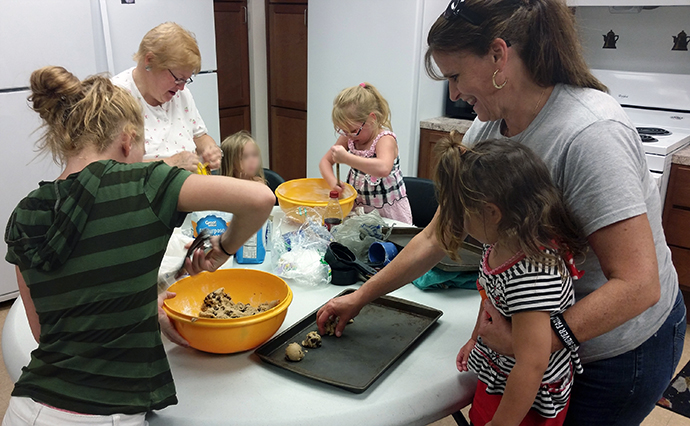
148, 68
493, 80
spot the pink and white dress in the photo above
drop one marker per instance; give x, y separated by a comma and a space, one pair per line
387, 194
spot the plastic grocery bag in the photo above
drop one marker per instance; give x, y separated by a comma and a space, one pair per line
297, 254
359, 231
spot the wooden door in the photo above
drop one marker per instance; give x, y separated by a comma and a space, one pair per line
288, 142
232, 53
287, 55
232, 120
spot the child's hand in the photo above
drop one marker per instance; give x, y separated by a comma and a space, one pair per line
167, 327
338, 154
463, 355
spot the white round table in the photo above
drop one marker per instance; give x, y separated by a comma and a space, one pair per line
422, 386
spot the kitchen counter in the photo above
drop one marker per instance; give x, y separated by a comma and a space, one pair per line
421, 387
446, 124
682, 156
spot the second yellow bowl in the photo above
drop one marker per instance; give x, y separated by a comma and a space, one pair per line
312, 192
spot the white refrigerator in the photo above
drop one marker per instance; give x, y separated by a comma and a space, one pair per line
86, 37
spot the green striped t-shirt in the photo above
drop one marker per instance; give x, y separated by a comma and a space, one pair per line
89, 248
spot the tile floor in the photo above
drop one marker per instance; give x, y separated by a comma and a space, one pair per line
658, 417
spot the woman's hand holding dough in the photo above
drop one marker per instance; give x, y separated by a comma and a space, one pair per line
344, 307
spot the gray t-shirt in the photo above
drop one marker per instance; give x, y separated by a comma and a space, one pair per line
596, 158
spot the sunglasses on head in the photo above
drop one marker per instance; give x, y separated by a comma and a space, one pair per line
458, 8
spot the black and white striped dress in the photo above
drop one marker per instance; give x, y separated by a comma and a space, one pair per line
517, 288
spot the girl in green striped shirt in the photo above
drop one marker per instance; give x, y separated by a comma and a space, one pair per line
87, 248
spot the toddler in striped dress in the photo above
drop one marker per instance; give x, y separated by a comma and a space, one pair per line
501, 193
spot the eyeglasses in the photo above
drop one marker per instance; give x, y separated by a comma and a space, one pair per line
458, 8
179, 80
351, 135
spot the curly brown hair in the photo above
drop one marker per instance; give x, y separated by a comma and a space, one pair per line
509, 175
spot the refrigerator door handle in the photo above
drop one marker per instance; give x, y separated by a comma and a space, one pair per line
305, 17
110, 61
246, 17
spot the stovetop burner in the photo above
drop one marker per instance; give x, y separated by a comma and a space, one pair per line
656, 131
648, 139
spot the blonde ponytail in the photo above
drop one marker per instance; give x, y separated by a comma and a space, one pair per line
354, 104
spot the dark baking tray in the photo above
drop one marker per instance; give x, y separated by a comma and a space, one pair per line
381, 333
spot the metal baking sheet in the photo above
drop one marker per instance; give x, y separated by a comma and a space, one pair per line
382, 332
470, 252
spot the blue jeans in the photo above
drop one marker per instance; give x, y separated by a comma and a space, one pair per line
622, 391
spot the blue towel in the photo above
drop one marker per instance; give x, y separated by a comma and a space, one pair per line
437, 278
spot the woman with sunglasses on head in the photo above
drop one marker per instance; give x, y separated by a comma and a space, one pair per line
361, 117
167, 58
519, 63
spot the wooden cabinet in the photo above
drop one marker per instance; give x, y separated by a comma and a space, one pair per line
289, 142
427, 162
232, 120
232, 56
232, 52
677, 225
286, 36
288, 55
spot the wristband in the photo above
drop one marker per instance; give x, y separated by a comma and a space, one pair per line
565, 335
220, 243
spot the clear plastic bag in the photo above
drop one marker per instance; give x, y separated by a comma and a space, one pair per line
360, 231
297, 254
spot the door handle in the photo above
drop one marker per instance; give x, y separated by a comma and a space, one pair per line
305, 17
246, 17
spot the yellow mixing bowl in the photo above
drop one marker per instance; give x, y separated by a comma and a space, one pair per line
311, 192
224, 336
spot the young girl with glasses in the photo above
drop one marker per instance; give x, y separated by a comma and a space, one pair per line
361, 117
501, 194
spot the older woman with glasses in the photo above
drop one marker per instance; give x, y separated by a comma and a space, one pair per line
167, 58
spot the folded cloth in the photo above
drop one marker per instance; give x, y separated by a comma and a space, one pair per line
437, 278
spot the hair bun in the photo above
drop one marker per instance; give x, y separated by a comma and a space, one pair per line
52, 90
455, 138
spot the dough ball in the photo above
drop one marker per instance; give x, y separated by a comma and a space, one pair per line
331, 323
330, 326
313, 340
294, 352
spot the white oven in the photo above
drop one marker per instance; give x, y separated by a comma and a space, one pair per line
658, 104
